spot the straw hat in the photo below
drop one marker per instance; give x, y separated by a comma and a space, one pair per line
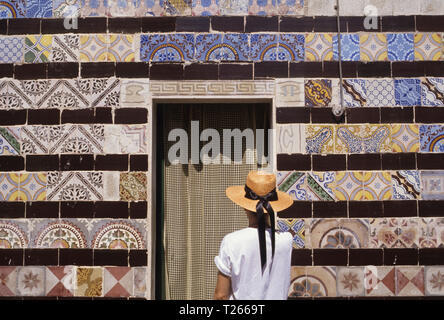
261, 183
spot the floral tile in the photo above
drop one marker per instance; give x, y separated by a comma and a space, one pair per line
263, 47
133, 186
60, 281
432, 185
318, 47
118, 281
291, 47
373, 47
354, 233
350, 281
319, 186
31, 281
13, 48
434, 280
148, 8
37, 48
78, 138
59, 93
298, 283
66, 8
290, 138
208, 47
377, 186
93, 8
293, 183
394, 233
65, 48
119, 8
32, 186
93, 48
14, 233
400, 46
12, 9
320, 138
432, 91
409, 281
428, 46
9, 186
74, 186
349, 139
181, 47
290, 7
324, 233
121, 48
35, 139
39, 8
177, 8
405, 137
8, 283
349, 47
297, 229
355, 92
407, 92
234, 7
205, 8
262, 7
89, 282
153, 47
379, 281
431, 232
14, 96
118, 234
140, 283
103, 92
406, 185
431, 138
319, 282
349, 185
67, 233
10, 140
318, 93
236, 47
380, 92
376, 138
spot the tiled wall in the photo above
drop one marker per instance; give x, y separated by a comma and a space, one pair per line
75, 137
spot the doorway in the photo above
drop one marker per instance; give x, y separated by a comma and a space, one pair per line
193, 214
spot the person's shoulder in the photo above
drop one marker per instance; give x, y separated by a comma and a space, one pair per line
239, 234
285, 236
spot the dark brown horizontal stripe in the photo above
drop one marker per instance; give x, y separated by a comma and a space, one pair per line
365, 257
330, 257
299, 209
403, 256
12, 163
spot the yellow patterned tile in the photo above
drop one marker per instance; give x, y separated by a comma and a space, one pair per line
37, 48
89, 282
348, 139
349, 185
428, 46
319, 138
32, 186
405, 138
373, 47
319, 47
377, 185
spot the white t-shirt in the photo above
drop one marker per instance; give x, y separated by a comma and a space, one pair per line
239, 258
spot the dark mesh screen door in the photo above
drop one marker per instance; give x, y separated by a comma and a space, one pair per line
195, 213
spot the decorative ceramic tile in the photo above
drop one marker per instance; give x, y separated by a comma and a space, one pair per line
376, 138
293, 183
355, 92
290, 7
8, 281
9, 140
208, 47
407, 92
432, 91
133, 186
380, 281
9, 186
319, 186
65, 48
60, 281
377, 186
148, 8
35, 139
121, 8
349, 139
349, 47
140, 286
353, 234
118, 281
291, 47
93, 8
233, 7
380, 93
121, 48
37, 48
318, 47
400, 46
434, 280
93, 48
349, 185
177, 8
394, 233
181, 46
66, 8
298, 285
290, 138
318, 93
13, 233
78, 138
431, 138
428, 46
134, 93
262, 7
111, 181
406, 185
104, 92
405, 137
373, 47
74, 186
263, 47
432, 185
409, 281
290, 93
205, 8
297, 229
320, 139
133, 139
119, 234
236, 47
171, 47
60, 93
431, 232
324, 233
89, 282
32, 186
12, 48
39, 8
12, 9
68, 233
350, 281
319, 282
31, 281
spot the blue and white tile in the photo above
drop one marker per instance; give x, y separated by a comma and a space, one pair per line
350, 47
432, 185
380, 92
400, 47
297, 229
150, 8
293, 183
319, 186
236, 47
291, 47
290, 7
208, 47
205, 8
407, 92
153, 47
290, 138
10, 140
181, 46
431, 138
12, 49
432, 91
355, 93
10, 9
262, 7
66, 8
234, 7
263, 47
406, 185
39, 8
